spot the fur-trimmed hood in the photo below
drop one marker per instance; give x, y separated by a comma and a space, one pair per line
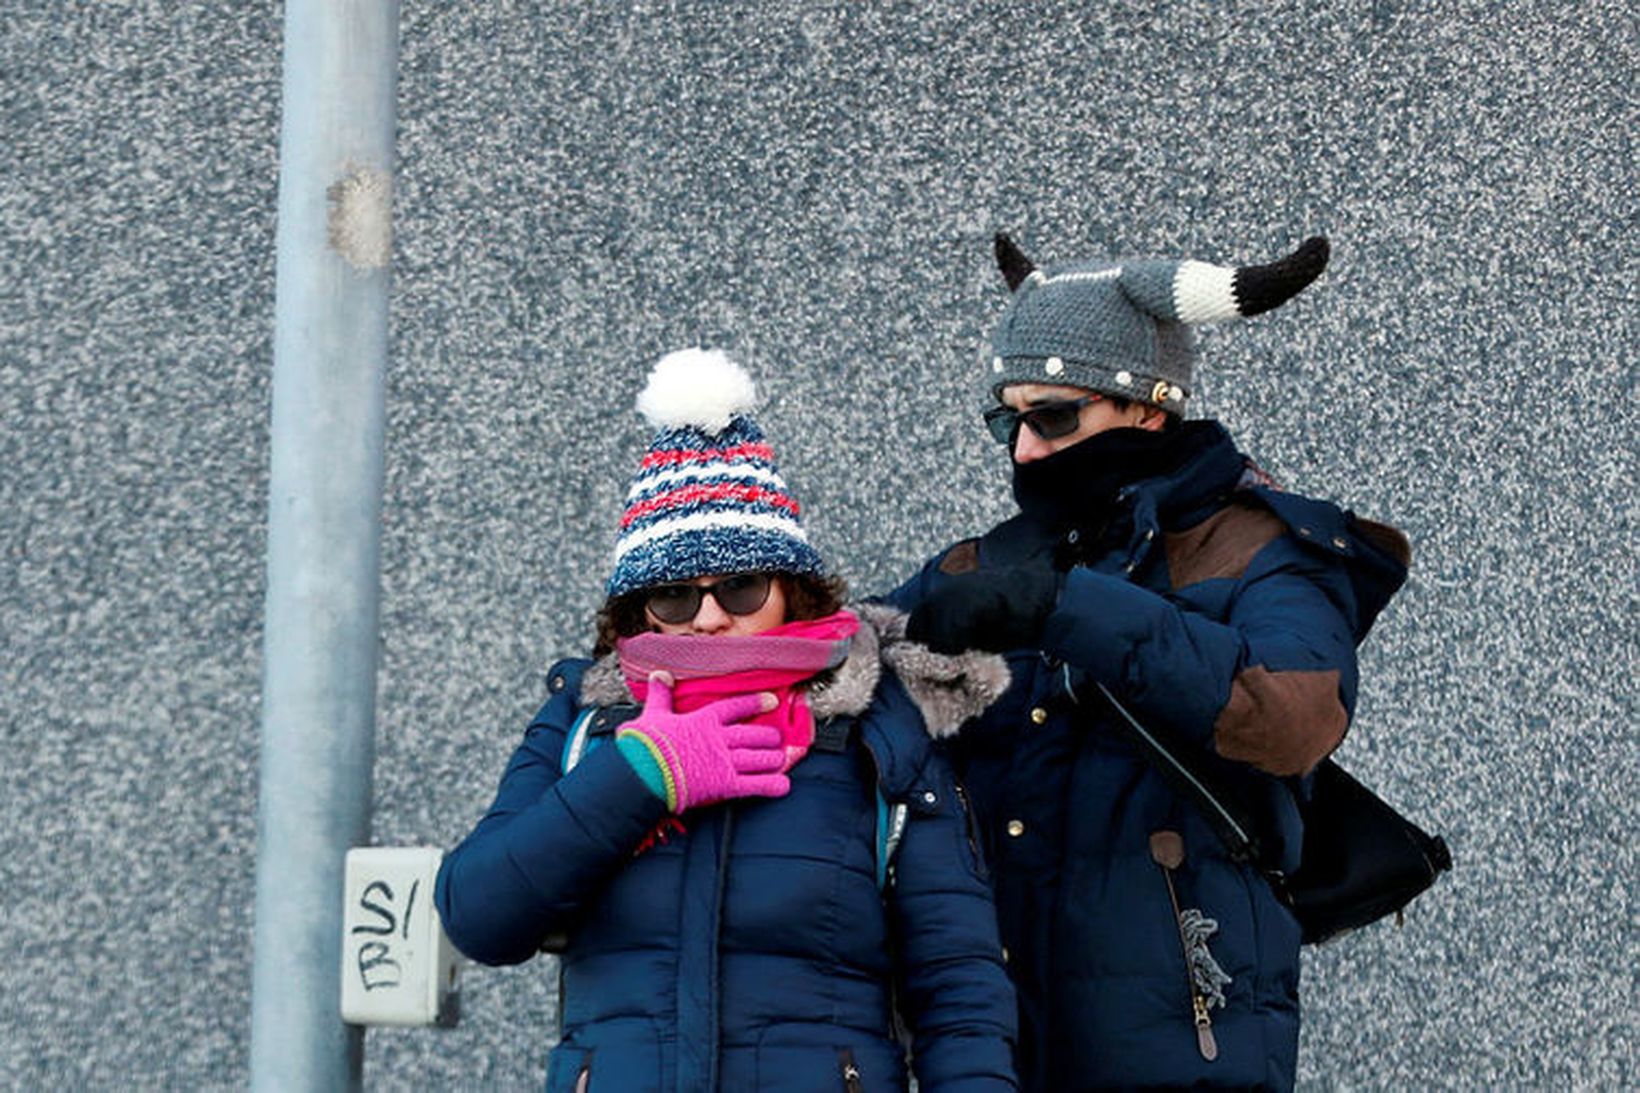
947, 689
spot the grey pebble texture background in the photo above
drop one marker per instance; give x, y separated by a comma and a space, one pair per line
581, 187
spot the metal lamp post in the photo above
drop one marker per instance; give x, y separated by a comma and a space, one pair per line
324, 505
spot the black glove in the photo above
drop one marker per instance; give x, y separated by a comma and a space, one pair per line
991, 609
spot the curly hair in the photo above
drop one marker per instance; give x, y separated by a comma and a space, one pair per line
807, 597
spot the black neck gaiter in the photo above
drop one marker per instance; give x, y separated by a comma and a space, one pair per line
1076, 487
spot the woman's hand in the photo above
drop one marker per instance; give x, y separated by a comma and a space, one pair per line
710, 754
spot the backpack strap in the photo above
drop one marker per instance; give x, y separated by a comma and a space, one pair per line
578, 741
591, 727
891, 819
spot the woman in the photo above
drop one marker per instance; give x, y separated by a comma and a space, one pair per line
732, 825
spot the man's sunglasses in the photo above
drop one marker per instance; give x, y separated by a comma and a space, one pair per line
741, 594
1048, 420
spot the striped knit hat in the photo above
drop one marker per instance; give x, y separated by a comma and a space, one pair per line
707, 498
1123, 328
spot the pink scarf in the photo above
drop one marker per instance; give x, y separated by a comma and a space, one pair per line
779, 659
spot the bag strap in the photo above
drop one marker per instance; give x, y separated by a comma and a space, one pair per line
1317, 909
1228, 821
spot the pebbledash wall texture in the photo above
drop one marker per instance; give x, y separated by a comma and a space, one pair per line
580, 188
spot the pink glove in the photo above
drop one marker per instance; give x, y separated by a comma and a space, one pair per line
710, 754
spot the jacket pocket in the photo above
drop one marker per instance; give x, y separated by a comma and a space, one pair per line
619, 1057
849, 1071
569, 1070
971, 833
826, 1066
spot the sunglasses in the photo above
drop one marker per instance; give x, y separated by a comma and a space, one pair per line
1048, 420
741, 594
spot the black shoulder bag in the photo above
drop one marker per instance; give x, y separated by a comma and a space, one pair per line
1361, 860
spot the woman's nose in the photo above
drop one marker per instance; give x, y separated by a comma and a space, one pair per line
711, 618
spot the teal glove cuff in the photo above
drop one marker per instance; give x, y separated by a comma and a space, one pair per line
637, 751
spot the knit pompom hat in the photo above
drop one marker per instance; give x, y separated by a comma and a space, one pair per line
1123, 328
707, 497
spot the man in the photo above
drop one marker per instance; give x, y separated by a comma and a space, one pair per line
1151, 565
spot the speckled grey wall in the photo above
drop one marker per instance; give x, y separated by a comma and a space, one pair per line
583, 187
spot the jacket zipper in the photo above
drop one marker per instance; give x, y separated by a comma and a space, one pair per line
851, 1073
717, 936
1167, 851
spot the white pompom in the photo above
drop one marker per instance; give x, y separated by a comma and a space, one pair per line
698, 387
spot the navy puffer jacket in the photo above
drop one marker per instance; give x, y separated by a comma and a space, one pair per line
1225, 615
755, 947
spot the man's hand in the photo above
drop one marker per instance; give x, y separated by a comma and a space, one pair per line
992, 609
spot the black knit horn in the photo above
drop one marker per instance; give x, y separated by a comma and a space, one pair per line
1012, 262
1259, 288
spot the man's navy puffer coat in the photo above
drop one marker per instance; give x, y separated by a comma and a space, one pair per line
1225, 615
754, 946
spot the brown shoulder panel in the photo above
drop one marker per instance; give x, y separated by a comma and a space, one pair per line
1281, 722
962, 558
1220, 546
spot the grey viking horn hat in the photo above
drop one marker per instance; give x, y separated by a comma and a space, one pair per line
1123, 328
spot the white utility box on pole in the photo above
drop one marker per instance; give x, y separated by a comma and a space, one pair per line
398, 968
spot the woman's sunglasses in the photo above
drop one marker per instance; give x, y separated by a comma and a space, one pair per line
1048, 420
741, 594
